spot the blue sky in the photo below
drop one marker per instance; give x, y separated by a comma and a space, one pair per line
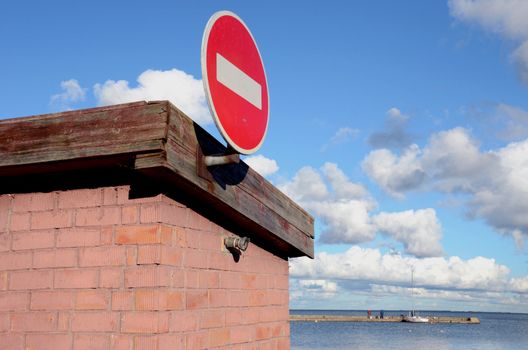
401, 126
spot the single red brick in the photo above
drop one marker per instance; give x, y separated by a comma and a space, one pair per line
4, 322
3, 280
131, 255
258, 298
90, 341
76, 279
111, 277
148, 276
55, 258
178, 278
19, 222
100, 321
109, 196
218, 298
137, 234
241, 334
172, 256
33, 202
80, 198
14, 301
98, 216
145, 322
212, 319
51, 219
166, 235
262, 332
102, 256
179, 237
174, 215
196, 299
150, 213
184, 321
63, 322
33, 239
78, 237
143, 342
149, 254
25, 280
107, 235
219, 337
120, 342
171, 342
159, 299
15, 260
197, 340
94, 299
48, 342
34, 321
51, 300
130, 214
5, 241
122, 300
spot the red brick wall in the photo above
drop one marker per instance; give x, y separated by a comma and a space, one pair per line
91, 269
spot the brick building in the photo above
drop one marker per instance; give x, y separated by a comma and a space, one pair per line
113, 231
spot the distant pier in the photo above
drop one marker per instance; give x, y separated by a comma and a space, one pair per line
339, 318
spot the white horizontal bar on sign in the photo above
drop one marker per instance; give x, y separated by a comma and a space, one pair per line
237, 81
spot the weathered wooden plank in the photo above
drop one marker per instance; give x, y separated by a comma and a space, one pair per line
131, 128
236, 185
189, 136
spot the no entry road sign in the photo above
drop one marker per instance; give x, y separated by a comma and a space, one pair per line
235, 82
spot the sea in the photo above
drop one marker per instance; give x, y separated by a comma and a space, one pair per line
495, 331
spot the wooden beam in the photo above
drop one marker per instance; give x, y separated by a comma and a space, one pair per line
157, 140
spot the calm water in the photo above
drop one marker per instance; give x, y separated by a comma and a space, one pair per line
496, 331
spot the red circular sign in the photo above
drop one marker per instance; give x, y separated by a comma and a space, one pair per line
235, 82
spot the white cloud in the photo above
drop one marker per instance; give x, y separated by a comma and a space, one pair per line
318, 288
395, 174
347, 211
72, 92
495, 182
182, 89
435, 273
504, 17
419, 230
342, 135
262, 165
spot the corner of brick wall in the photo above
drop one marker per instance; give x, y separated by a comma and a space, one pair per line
92, 269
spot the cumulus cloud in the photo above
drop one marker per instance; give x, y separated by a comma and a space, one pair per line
318, 288
262, 165
507, 18
434, 273
347, 211
394, 135
182, 89
495, 181
72, 93
419, 231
